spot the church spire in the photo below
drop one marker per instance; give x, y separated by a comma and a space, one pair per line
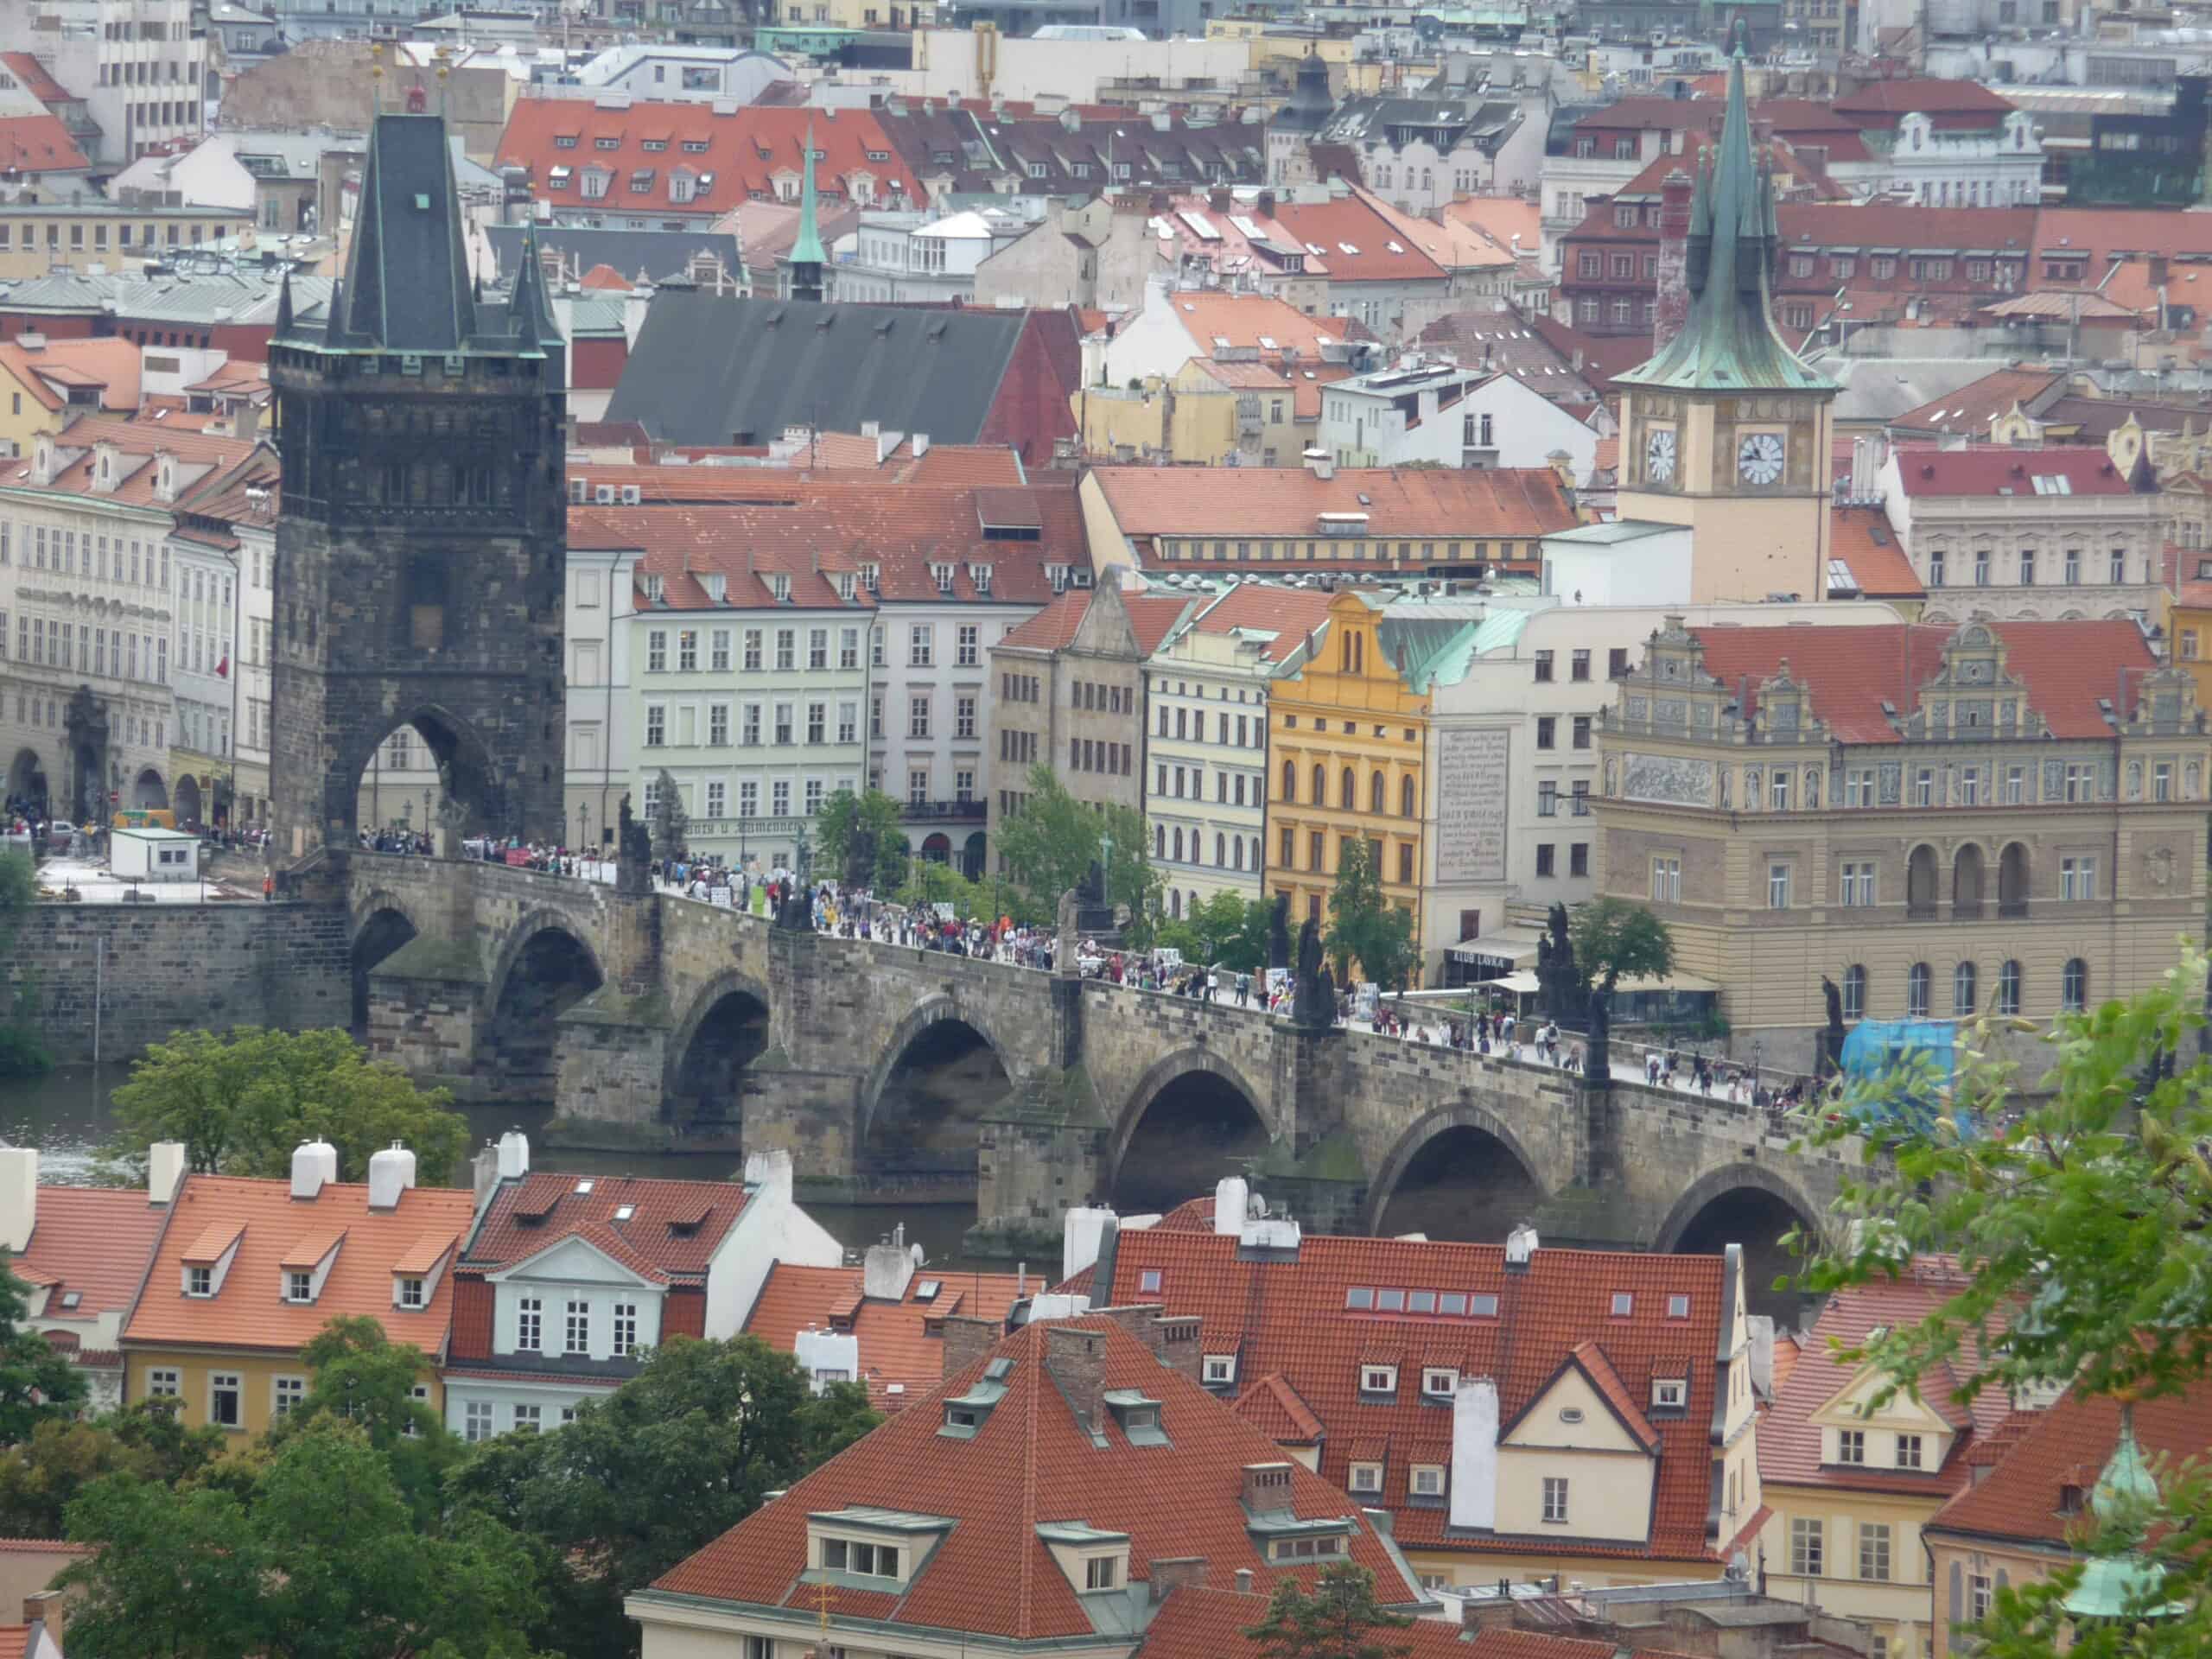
807, 256
1729, 342
283, 306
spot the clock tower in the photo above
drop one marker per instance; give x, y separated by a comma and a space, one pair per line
1726, 430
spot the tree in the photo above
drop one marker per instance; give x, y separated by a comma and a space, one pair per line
36, 1384
1050, 843
41, 1476
319, 1558
673, 1458
845, 817
1340, 1619
363, 1377
242, 1102
669, 824
1365, 927
2081, 1216
23, 1050
1614, 939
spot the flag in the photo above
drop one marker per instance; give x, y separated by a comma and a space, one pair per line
223, 668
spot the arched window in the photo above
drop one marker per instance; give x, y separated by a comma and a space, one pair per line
1963, 990
1237, 849
1179, 846
2013, 881
1256, 861
1348, 791
2074, 984
1920, 883
1965, 881
1375, 794
1320, 785
1289, 781
1916, 991
1175, 904
1854, 992
2008, 988
1220, 850
1160, 841
1409, 804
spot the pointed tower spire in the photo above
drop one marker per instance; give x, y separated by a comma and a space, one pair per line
807, 256
283, 306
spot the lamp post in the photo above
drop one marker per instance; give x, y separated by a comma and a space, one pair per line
426, 819
1106, 871
580, 828
1756, 1050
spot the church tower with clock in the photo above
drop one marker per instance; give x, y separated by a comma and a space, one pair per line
1726, 430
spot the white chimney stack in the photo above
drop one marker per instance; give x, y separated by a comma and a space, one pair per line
18, 1195
514, 1156
1520, 1248
1474, 1454
1232, 1202
164, 1171
314, 1165
392, 1172
1080, 1230
769, 1173
888, 1267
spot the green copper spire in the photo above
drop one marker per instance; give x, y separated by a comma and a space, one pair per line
2125, 1497
807, 257
1729, 342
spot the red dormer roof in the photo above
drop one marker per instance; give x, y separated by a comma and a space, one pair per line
672, 1228
901, 1342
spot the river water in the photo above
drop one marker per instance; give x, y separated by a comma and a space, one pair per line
67, 1115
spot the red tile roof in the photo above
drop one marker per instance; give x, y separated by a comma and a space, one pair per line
1206, 1622
39, 144
1291, 615
1974, 405
746, 150
1862, 539
2069, 1446
1516, 502
527, 1214
902, 1359
1273, 1407
1054, 627
1294, 1325
248, 1311
1359, 244
2003, 469
1790, 1441
2066, 668
35, 78
199, 456
1258, 321
15, 1641
2106, 232
1032, 1463
94, 1241
1880, 103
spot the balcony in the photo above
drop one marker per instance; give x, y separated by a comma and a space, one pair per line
2011, 910
942, 812
1920, 910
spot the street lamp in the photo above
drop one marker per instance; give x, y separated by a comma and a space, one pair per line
1755, 1070
580, 828
1106, 871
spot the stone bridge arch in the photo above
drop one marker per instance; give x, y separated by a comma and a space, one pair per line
695, 1080
1745, 1174
1191, 1060
379, 923
931, 1010
1467, 1113
517, 937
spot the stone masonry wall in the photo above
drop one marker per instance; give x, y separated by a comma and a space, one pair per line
175, 967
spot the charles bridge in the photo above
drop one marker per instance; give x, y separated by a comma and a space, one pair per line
660, 1017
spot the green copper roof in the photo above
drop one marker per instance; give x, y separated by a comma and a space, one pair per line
2126, 1497
1729, 342
807, 250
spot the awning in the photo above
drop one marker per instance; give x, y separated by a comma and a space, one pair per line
1676, 981
1515, 948
1525, 984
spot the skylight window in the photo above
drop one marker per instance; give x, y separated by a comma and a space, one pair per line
1389, 1301
1483, 1305
1359, 1296
1148, 1280
1624, 1304
1451, 1303
623, 1212
1678, 1307
927, 1290
583, 1188
1420, 1301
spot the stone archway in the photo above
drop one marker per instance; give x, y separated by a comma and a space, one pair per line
920, 1021
1203, 1081
1746, 1203
148, 789
722, 1033
27, 780
466, 800
1464, 1116
382, 928
1745, 1174
546, 968
187, 801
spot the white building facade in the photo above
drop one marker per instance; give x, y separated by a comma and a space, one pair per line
1450, 417
917, 258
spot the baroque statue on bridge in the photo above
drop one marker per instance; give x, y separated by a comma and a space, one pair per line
633, 849
1313, 999
1279, 932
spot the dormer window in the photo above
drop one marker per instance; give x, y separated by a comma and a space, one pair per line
780, 587
866, 1561
1102, 1573
1378, 1379
1438, 1381
942, 574
1221, 1368
1670, 1392
299, 1287
410, 1293
1426, 1480
870, 575
1366, 1477
199, 1281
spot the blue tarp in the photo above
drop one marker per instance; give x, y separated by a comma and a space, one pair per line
1900, 1070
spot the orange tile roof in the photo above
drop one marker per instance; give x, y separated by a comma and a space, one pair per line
427, 1251
15, 1640
1253, 322
2069, 1446
94, 1241
1591, 1360
1974, 405
1295, 1323
902, 1359
248, 1311
1359, 244
1882, 101
308, 1249
1862, 539
1273, 1407
1054, 627
1520, 502
216, 1237
2003, 469
200, 456
674, 1226
109, 363
1790, 1441
1031, 1463
2065, 667
39, 144
37, 80
1290, 613
1206, 1622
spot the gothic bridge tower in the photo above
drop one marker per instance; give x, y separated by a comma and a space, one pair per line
422, 550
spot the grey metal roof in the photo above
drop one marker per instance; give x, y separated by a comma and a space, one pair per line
710, 370
661, 255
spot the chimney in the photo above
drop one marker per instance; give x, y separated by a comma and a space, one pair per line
1474, 1453
967, 1339
888, 1267
1232, 1200
484, 1172
1266, 204
314, 1165
1178, 1344
1074, 1359
31, 341
1489, 1613
1080, 1227
1267, 1489
1520, 1248
1673, 308
1243, 1581
1170, 1572
18, 1195
1318, 463
47, 1608
164, 1171
1219, 198
514, 1156
392, 1172
245, 420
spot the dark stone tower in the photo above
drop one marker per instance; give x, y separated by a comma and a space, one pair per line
422, 552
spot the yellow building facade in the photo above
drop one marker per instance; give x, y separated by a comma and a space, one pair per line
264, 1385
1346, 737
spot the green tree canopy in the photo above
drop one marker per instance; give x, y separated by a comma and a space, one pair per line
242, 1102
1226, 930
1365, 927
36, 1384
671, 1459
318, 1558
1615, 940
2075, 1194
845, 816
39, 1477
1340, 1618
22, 1049
360, 1376
1050, 843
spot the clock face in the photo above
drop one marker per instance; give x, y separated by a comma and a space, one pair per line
1659, 456
1758, 458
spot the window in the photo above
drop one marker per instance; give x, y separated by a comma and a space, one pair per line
1428, 1481
869, 1561
1438, 1381
1777, 886
1546, 730
1579, 667
2074, 984
921, 645
1916, 981
286, 1393
1617, 666
2077, 878
1102, 1573
578, 1334
1980, 1598
1556, 1499
1545, 858
1221, 1367
1367, 1476
476, 1420
199, 1281
165, 1383
1851, 1446
1668, 1392
1854, 992
1857, 887
1582, 731
226, 1399
655, 726
1378, 1379
1874, 1551
1807, 1548
656, 651
1909, 1450
299, 1287
1667, 880
1544, 667
967, 647
751, 649
530, 1324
